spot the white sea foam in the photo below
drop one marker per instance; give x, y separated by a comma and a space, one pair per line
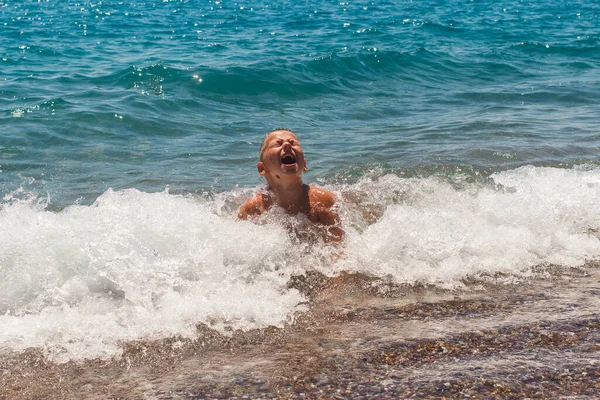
135, 265
432, 232
148, 265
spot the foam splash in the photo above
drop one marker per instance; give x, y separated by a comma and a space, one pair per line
438, 232
135, 265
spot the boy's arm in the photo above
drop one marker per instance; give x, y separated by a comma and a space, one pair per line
333, 234
331, 222
326, 216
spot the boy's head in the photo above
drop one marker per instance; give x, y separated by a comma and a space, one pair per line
281, 155
263, 145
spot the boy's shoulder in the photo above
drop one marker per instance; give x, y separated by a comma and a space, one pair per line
321, 211
321, 197
255, 205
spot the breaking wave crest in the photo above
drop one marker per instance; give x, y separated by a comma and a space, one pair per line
81, 281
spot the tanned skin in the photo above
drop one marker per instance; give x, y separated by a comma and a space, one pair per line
282, 163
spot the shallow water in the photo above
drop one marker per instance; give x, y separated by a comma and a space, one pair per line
538, 339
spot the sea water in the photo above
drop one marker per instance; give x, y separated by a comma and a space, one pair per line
460, 138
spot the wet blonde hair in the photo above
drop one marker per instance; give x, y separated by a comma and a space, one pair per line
263, 145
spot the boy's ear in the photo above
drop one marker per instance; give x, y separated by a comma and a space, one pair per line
261, 168
305, 169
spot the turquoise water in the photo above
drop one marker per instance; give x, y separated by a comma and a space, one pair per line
461, 140
98, 95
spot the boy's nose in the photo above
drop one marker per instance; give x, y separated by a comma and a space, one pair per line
287, 146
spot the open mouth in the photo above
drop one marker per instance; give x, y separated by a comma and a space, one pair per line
288, 159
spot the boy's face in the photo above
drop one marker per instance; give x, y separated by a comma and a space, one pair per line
282, 156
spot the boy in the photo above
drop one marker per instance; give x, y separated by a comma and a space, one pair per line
282, 162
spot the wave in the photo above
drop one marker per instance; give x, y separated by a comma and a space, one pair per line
586, 49
377, 72
439, 232
133, 265
311, 75
81, 281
